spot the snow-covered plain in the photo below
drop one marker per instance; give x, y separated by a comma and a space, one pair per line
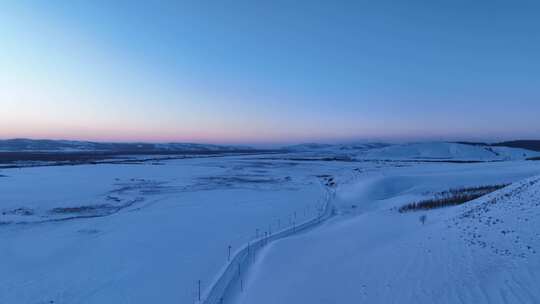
141, 233
146, 233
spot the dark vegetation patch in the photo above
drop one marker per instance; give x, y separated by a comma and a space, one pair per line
451, 197
89, 211
240, 179
88, 231
22, 159
84, 209
534, 158
472, 143
339, 158
328, 180
19, 211
264, 164
324, 175
524, 144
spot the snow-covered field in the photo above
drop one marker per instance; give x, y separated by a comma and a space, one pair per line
141, 233
146, 233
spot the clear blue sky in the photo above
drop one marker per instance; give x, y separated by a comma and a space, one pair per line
270, 71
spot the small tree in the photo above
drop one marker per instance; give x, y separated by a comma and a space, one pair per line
423, 219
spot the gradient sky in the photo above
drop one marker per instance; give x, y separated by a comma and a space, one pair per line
270, 71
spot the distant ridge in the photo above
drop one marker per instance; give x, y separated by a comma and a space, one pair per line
524, 144
471, 143
335, 147
46, 145
533, 145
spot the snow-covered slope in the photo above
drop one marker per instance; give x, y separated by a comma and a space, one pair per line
447, 151
485, 251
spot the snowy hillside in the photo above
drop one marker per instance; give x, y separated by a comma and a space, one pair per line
447, 151
485, 251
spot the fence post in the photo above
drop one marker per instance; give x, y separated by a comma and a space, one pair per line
199, 285
229, 256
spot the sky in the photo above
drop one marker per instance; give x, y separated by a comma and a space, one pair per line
263, 72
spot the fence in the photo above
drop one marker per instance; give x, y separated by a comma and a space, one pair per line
231, 279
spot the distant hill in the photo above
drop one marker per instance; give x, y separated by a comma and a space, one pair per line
315, 147
45, 145
449, 151
533, 145
428, 151
523, 144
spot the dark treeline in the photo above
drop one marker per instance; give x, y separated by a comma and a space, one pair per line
451, 197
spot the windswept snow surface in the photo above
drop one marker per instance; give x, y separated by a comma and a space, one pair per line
485, 251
